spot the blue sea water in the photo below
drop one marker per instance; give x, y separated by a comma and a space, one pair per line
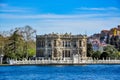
71, 72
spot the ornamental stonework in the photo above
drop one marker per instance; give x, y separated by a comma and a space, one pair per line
61, 46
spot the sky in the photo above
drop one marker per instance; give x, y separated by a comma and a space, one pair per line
60, 16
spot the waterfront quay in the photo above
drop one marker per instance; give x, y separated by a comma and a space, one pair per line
62, 62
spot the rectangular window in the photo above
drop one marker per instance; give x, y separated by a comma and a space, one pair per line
80, 43
74, 44
63, 53
63, 43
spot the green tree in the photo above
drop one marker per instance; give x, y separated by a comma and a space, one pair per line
109, 51
31, 49
117, 40
13, 48
112, 41
89, 50
29, 36
18, 43
104, 55
108, 39
96, 55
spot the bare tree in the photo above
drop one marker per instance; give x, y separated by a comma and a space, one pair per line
29, 34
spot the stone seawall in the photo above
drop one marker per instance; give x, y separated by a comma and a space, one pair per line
62, 62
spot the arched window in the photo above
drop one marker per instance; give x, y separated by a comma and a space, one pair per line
55, 53
63, 43
80, 43
55, 43
74, 44
69, 44
63, 54
49, 43
69, 53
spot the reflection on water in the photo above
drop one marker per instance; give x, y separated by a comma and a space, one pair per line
83, 72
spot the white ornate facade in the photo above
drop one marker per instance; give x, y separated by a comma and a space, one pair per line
61, 46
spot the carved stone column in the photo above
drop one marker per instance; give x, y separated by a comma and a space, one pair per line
46, 54
52, 44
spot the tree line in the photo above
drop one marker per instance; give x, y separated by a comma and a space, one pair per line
114, 40
106, 52
18, 43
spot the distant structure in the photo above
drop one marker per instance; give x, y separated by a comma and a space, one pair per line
100, 40
61, 46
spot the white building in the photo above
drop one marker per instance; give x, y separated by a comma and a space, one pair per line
61, 46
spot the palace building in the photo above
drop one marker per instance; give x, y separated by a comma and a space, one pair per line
61, 46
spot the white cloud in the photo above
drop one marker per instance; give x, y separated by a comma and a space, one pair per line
76, 26
7, 8
98, 9
12, 10
47, 23
3, 5
54, 16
